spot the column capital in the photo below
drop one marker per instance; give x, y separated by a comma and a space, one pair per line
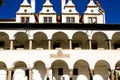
9, 69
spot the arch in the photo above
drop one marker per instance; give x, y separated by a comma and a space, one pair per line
59, 68
20, 71
81, 67
60, 40
20, 64
80, 39
40, 40
4, 40
102, 68
117, 65
100, 40
21, 40
116, 40
39, 70
2, 65
117, 70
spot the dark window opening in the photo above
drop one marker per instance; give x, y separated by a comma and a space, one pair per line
116, 45
20, 46
56, 45
75, 71
60, 71
94, 45
75, 45
2, 44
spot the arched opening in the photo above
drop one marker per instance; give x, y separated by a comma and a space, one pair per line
81, 67
20, 71
21, 41
40, 41
100, 40
39, 71
4, 41
102, 68
59, 68
116, 41
80, 40
3, 72
60, 40
117, 71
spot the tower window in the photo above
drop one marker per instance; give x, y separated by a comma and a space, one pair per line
25, 19
47, 19
70, 19
92, 20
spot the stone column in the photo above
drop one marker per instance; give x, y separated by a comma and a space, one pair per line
112, 75
11, 44
71, 74
70, 44
109, 44
30, 74
49, 74
49, 44
90, 44
30, 44
9, 75
91, 74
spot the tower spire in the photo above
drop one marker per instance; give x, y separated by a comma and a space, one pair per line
33, 5
63, 2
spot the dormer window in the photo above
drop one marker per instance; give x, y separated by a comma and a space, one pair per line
25, 19
47, 19
70, 19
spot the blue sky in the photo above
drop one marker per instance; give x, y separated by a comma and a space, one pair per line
111, 7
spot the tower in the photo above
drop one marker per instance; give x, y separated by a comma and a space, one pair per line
25, 13
33, 5
94, 14
70, 14
63, 2
47, 14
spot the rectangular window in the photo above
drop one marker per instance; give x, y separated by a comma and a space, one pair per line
47, 19
70, 19
50, 19
25, 19
75, 71
60, 71
89, 20
92, 20
22, 19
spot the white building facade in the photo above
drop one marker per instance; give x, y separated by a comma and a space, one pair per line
40, 47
